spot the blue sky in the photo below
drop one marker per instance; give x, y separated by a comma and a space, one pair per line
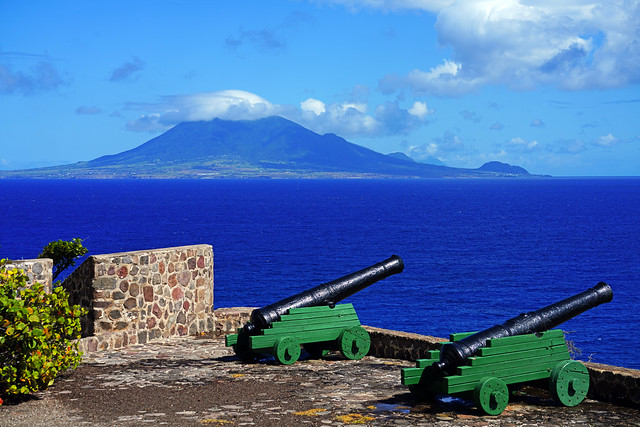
551, 86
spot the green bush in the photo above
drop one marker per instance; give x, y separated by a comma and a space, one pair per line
63, 253
37, 332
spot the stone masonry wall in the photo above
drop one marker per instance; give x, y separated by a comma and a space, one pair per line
38, 270
134, 297
612, 384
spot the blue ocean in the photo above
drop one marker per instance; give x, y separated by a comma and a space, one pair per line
476, 252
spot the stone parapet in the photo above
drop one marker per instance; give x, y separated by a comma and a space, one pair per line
38, 270
614, 384
229, 320
135, 297
401, 345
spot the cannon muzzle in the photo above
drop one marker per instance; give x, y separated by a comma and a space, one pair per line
454, 354
325, 294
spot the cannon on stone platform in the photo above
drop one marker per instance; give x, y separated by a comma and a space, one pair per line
312, 319
482, 365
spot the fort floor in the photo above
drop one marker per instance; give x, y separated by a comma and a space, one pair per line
192, 381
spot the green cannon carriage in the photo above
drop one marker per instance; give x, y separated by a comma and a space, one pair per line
318, 329
486, 377
483, 365
312, 319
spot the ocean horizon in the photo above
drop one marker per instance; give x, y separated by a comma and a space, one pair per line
476, 251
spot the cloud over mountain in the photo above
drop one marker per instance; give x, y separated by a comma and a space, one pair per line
349, 118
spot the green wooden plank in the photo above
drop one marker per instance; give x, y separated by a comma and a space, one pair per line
517, 339
265, 344
503, 345
303, 320
514, 379
309, 328
434, 354
509, 371
423, 363
514, 362
504, 374
303, 337
410, 376
316, 315
320, 308
517, 355
230, 340
459, 335
282, 328
541, 343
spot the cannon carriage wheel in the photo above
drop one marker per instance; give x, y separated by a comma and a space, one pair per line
569, 382
286, 350
354, 342
491, 395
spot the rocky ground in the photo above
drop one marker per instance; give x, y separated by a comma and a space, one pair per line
190, 381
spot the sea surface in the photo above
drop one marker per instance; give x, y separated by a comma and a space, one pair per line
476, 251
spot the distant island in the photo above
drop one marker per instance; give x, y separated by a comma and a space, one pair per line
271, 147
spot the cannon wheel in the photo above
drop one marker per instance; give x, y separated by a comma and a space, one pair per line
491, 395
569, 382
286, 350
354, 342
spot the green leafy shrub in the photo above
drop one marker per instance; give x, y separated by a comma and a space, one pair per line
37, 332
63, 253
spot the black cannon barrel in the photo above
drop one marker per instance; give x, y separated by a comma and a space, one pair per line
325, 294
454, 354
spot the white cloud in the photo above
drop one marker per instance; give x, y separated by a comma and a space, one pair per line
347, 119
313, 105
524, 43
606, 141
522, 145
423, 152
420, 110
447, 148
226, 104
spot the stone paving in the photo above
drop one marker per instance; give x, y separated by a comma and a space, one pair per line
197, 381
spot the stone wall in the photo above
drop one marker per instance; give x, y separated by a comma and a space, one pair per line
229, 320
38, 270
134, 297
612, 384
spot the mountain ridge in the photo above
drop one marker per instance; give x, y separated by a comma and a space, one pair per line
268, 147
